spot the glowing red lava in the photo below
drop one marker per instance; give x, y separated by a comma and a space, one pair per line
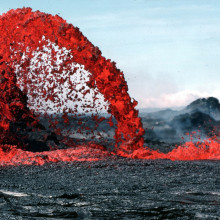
206, 150
48, 66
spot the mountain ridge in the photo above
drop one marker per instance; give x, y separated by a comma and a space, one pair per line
168, 125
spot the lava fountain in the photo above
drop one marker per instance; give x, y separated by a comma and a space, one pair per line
49, 69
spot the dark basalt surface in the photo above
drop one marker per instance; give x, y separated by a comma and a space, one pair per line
112, 189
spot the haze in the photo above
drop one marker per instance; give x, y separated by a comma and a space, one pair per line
168, 50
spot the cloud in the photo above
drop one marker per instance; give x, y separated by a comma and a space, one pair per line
178, 99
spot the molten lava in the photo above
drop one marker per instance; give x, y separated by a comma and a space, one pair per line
49, 69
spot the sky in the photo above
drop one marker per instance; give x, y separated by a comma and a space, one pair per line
168, 50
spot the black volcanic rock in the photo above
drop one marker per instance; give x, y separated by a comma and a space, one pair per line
31, 138
209, 106
193, 121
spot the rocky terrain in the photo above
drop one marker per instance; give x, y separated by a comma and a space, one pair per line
201, 118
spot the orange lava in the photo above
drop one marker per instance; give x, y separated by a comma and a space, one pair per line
15, 156
206, 150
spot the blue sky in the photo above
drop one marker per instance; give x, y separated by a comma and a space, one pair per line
168, 50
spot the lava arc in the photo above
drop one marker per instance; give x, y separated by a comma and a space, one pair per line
23, 32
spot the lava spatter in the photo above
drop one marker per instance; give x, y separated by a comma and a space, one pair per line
48, 68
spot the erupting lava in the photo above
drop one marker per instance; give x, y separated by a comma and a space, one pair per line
47, 67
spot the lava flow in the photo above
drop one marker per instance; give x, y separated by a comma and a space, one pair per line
56, 90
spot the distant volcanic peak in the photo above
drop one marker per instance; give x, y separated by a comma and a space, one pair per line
210, 106
211, 103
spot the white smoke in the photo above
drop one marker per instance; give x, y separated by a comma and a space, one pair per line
178, 99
